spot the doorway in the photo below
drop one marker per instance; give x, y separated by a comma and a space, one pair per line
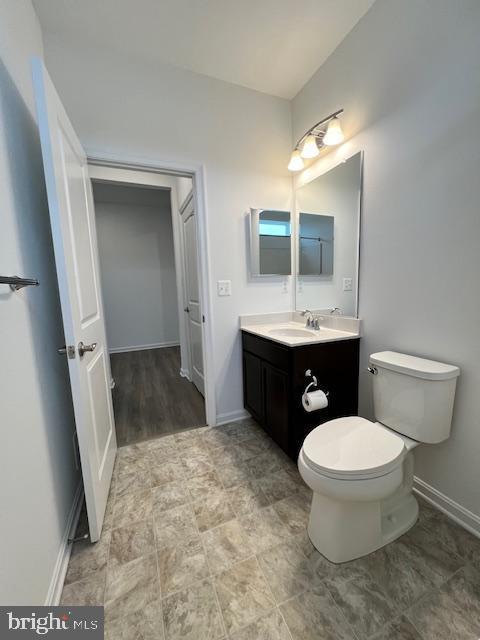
154, 392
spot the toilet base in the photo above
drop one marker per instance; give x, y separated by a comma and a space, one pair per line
344, 530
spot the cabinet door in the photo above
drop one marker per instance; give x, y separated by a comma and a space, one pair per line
275, 392
253, 385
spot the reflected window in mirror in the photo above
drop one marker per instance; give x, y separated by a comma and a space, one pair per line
327, 239
270, 242
315, 244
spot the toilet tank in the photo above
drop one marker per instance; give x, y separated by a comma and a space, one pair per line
413, 396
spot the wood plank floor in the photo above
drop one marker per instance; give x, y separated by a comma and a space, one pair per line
150, 398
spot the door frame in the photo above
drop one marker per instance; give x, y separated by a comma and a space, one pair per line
197, 173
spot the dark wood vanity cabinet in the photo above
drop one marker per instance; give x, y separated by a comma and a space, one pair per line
274, 381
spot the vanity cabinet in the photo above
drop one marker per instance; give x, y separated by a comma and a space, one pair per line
274, 381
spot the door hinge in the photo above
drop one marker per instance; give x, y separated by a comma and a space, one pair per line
203, 318
76, 451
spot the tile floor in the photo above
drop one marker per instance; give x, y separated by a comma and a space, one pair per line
205, 538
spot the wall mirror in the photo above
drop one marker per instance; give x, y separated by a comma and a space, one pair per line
327, 239
270, 242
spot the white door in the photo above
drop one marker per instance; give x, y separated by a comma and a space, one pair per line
192, 296
72, 218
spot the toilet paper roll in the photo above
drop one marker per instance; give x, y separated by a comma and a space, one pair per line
314, 401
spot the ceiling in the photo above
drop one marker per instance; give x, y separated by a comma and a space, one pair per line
273, 46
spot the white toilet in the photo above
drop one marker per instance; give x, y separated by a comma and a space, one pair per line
361, 472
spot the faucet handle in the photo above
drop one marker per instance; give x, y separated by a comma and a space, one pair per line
309, 321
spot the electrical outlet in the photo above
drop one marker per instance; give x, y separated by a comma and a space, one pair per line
224, 287
347, 284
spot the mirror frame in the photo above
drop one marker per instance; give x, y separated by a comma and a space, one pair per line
296, 231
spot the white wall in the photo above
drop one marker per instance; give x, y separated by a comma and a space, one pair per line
137, 263
242, 137
37, 476
407, 77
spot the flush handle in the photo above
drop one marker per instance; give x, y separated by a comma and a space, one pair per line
372, 370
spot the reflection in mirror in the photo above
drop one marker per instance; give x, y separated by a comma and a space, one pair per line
315, 245
270, 242
328, 223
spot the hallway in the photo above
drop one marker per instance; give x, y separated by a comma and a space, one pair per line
150, 398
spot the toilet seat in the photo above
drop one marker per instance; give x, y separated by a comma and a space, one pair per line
353, 448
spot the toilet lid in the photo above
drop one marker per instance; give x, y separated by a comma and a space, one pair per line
353, 448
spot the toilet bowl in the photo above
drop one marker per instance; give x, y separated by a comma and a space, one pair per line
361, 472
353, 466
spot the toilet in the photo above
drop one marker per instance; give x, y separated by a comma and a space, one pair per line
361, 472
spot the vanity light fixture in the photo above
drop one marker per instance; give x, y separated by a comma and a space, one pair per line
310, 147
327, 132
296, 163
334, 134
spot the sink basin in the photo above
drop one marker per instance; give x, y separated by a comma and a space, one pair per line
291, 333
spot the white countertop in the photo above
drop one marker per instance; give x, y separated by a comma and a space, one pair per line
291, 332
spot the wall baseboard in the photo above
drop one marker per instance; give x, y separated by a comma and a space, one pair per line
462, 516
144, 347
60, 570
233, 416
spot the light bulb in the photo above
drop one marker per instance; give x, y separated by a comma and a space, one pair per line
310, 148
296, 162
334, 133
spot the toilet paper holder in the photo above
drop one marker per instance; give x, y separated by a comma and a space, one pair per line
313, 383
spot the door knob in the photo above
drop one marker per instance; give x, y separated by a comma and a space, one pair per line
67, 351
83, 348
187, 310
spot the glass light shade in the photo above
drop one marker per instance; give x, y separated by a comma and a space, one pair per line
334, 134
296, 162
310, 148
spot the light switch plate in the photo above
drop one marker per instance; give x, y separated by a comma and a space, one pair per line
224, 287
347, 284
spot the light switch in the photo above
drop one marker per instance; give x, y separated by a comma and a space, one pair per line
347, 284
224, 287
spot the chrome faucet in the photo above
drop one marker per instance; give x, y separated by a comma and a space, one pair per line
336, 311
309, 317
313, 321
